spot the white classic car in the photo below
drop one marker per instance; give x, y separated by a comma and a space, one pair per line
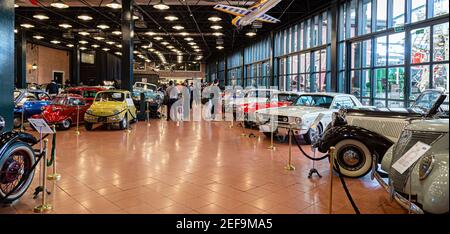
427, 180
301, 114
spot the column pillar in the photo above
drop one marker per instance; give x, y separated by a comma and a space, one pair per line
6, 63
127, 45
75, 65
21, 55
334, 48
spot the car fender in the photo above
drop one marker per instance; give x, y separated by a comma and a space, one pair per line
374, 141
435, 187
8, 138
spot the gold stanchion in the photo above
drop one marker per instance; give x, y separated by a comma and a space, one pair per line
271, 146
44, 207
54, 176
128, 129
289, 166
330, 204
77, 132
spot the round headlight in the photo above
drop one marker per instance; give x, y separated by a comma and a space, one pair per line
298, 120
116, 112
2, 123
425, 166
89, 111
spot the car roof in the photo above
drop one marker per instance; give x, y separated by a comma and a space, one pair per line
85, 88
70, 95
115, 91
331, 94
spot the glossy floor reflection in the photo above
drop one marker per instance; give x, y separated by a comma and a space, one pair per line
198, 167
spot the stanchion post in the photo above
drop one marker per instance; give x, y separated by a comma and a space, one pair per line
54, 176
44, 207
128, 130
330, 204
289, 166
148, 114
77, 132
271, 146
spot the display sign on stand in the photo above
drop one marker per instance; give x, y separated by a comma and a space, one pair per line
410, 157
41, 126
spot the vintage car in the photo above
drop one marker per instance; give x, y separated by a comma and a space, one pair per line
426, 181
153, 97
359, 133
28, 103
301, 115
64, 110
87, 92
111, 107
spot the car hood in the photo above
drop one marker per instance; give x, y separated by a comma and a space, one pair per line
433, 125
293, 111
107, 106
242, 101
385, 112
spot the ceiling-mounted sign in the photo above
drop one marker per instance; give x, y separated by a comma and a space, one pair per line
399, 29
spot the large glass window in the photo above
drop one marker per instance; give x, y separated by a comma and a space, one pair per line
366, 22
418, 10
420, 49
381, 20
398, 12
396, 55
440, 7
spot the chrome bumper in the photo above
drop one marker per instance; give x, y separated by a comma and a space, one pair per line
402, 201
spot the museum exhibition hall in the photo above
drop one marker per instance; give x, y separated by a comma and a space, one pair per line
224, 107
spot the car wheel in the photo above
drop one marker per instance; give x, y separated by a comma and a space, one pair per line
124, 123
353, 158
15, 163
65, 124
313, 134
88, 126
17, 121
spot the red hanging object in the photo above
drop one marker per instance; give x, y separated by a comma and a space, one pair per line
34, 2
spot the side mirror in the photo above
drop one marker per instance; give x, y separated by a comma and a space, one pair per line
2, 123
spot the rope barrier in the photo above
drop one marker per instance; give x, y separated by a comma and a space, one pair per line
304, 153
52, 156
344, 185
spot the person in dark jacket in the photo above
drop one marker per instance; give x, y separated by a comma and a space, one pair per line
52, 88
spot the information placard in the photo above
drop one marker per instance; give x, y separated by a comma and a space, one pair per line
41, 126
410, 157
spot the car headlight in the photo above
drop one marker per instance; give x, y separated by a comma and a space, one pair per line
298, 120
116, 112
425, 166
89, 111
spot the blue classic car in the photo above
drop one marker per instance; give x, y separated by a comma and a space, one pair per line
153, 97
28, 103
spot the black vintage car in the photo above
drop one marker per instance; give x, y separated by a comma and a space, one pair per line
358, 134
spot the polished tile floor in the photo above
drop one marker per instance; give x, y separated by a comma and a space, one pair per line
196, 167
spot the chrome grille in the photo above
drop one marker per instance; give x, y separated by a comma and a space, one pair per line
388, 127
406, 141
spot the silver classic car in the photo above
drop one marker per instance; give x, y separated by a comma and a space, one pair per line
426, 182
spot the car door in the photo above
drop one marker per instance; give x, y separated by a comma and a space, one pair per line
130, 104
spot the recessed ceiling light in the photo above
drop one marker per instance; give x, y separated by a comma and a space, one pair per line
114, 5
135, 17
184, 33
102, 26
195, 47
218, 34
136, 52
99, 38
16, 5
66, 26
251, 34
105, 49
158, 38
95, 45
38, 37
118, 53
165, 43
84, 17
118, 45
192, 43
70, 45
40, 17
110, 43
161, 6
15, 30
59, 4
189, 39
83, 42
220, 47
117, 32
27, 25
171, 18
178, 27
83, 33
197, 50
170, 47
216, 27
214, 19
55, 42
83, 48
150, 33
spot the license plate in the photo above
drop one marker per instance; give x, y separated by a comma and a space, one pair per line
102, 119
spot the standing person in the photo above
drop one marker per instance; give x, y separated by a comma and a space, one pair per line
191, 91
52, 88
172, 92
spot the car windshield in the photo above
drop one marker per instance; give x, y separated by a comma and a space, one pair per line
426, 101
145, 86
284, 97
75, 102
89, 93
110, 97
314, 100
59, 101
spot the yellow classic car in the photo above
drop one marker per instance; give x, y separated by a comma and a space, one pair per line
111, 107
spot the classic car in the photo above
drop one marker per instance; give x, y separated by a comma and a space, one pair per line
111, 107
426, 181
64, 110
28, 103
301, 115
153, 97
359, 133
87, 92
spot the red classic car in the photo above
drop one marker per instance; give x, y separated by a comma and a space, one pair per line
85, 91
62, 111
